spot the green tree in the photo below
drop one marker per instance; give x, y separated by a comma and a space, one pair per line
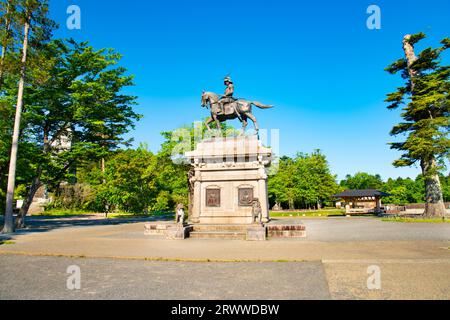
37, 27
303, 182
135, 181
446, 187
8, 39
314, 183
404, 191
361, 181
281, 186
130, 185
174, 171
8, 33
426, 104
324, 181
75, 111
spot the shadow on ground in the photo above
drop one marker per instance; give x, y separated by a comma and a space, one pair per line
48, 223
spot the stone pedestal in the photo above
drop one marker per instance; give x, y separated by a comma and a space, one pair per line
178, 232
152, 229
286, 231
257, 233
230, 173
170, 231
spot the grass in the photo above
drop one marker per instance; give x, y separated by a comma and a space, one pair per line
417, 220
135, 215
127, 215
5, 242
316, 213
65, 212
119, 215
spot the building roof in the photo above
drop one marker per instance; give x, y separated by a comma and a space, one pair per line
361, 193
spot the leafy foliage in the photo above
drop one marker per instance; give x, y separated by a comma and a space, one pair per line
14, 15
425, 103
75, 112
361, 181
404, 191
302, 182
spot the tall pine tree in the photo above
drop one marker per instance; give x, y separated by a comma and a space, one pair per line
425, 102
37, 28
76, 111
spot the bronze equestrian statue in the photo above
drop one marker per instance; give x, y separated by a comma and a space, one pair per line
228, 96
229, 108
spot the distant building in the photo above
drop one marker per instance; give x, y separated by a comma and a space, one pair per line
361, 201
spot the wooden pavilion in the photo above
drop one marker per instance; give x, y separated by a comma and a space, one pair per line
362, 201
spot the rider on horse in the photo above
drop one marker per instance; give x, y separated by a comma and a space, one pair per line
228, 97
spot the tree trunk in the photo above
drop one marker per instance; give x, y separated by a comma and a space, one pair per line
36, 184
103, 168
5, 42
433, 192
291, 204
2, 62
411, 57
435, 206
9, 219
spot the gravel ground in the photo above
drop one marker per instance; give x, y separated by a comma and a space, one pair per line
118, 262
40, 278
373, 229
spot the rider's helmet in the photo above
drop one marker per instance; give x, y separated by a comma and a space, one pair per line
227, 79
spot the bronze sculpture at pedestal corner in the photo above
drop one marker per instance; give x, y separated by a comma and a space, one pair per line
257, 212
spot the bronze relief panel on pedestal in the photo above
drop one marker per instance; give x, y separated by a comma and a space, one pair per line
213, 197
245, 197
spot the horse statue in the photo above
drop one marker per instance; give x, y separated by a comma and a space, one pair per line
240, 108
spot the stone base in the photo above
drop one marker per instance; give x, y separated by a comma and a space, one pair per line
256, 233
228, 175
169, 231
172, 231
178, 232
219, 231
286, 231
226, 219
155, 229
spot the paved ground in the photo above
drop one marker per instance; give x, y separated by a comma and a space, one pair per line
46, 277
118, 261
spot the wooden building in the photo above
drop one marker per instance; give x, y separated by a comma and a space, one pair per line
361, 201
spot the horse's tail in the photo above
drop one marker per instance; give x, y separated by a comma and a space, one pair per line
261, 106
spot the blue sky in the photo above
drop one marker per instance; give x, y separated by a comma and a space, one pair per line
316, 61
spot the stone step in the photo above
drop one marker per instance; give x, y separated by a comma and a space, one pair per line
287, 234
286, 231
281, 227
230, 235
220, 227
